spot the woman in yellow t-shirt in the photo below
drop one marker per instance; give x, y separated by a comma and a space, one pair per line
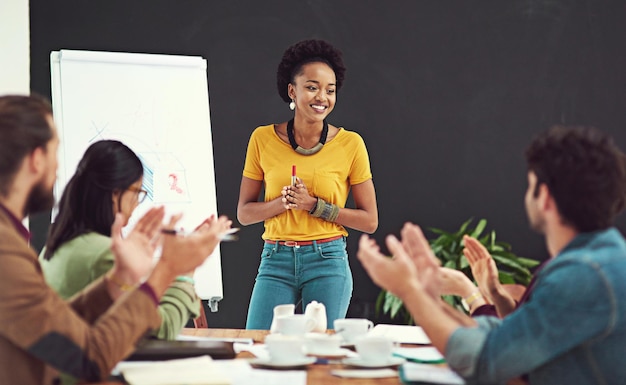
308, 168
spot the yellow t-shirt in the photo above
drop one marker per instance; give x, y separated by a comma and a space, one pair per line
328, 174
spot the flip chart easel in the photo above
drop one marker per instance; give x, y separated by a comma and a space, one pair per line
158, 105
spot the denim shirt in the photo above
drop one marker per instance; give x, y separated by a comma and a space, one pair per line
571, 331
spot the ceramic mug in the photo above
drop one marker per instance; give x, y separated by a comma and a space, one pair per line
374, 349
295, 325
283, 348
281, 311
322, 344
351, 328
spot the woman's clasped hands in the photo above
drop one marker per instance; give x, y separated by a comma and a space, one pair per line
297, 197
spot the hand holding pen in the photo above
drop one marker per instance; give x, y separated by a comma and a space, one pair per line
227, 236
189, 251
179, 256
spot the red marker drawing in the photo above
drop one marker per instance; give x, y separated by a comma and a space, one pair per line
293, 175
172, 180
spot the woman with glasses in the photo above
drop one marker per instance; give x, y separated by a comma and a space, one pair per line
107, 181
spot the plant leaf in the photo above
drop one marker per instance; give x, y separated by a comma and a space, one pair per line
448, 299
496, 248
463, 263
396, 306
448, 256
463, 227
504, 244
484, 239
511, 264
438, 231
505, 277
380, 300
522, 279
479, 228
527, 262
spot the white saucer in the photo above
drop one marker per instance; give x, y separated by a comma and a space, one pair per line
337, 353
300, 362
357, 361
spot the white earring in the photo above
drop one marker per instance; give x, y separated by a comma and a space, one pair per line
292, 105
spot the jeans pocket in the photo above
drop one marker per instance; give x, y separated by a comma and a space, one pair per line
267, 252
333, 250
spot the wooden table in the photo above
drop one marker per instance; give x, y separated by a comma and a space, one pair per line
318, 374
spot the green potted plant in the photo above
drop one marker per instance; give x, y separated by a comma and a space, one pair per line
448, 247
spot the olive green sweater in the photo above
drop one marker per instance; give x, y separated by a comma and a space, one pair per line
85, 258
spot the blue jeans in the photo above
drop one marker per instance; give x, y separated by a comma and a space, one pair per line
287, 274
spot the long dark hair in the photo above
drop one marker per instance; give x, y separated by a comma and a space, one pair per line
86, 204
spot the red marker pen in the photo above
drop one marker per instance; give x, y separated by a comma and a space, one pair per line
293, 175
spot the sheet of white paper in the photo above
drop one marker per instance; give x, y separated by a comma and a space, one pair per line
239, 372
186, 337
402, 333
197, 370
259, 350
364, 373
242, 373
415, 372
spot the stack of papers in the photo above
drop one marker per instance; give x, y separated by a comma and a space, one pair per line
427, 355
190, 371
424, 373
402, 333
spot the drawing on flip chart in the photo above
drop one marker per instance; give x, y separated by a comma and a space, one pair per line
154, 104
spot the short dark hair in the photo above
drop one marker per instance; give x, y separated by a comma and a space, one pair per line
24, 126
304, 52
86, 205
585, 173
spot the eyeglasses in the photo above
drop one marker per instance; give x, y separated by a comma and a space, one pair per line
141, 193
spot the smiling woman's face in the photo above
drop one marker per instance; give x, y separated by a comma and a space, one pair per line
314, 91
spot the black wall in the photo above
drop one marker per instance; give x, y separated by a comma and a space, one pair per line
445, 93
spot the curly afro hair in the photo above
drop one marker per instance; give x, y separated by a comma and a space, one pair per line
301, 53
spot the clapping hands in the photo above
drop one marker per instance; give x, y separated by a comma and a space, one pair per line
413, 266
134, 253
180, 254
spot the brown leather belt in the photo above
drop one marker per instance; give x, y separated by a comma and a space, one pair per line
303, 243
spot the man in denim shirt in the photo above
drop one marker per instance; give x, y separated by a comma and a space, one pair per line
572, 330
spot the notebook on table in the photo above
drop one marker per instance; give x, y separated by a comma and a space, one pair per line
155, 350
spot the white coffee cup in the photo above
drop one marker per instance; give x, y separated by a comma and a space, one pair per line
321, 344
374, 349
295, 325
282, 348
351, 328
281, 311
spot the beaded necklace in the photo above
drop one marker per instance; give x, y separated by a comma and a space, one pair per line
306, 151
